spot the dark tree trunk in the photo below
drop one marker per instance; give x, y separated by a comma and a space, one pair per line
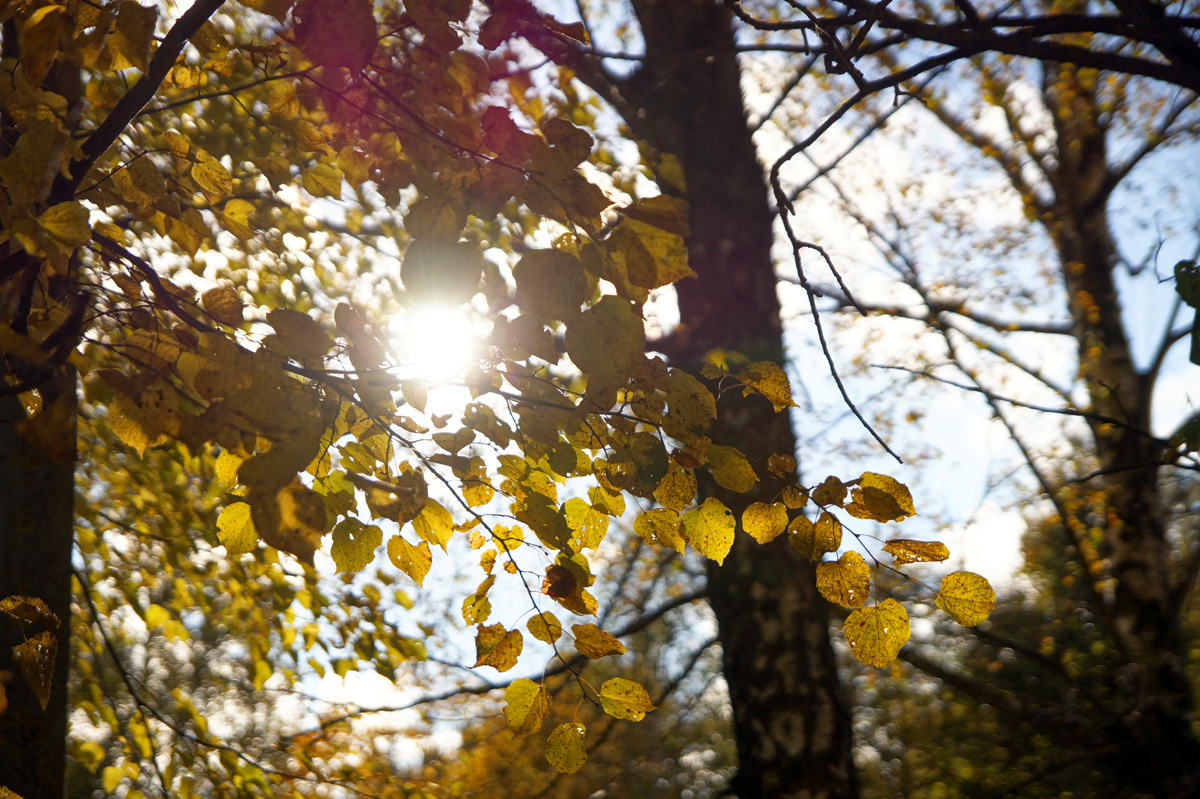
790, 721
36, 534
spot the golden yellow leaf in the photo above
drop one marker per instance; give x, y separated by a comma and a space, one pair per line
213, 178
477, 607
660, 526
29, 608
235, 529
625, 699
709, 528
236, 216
877, 633
880, 498
35, 660
412, 560
765, 522
133, 36
606, 341
795, 498
564, 747
434, 524
545, 627
906, 551
677, 489
770, 380
589, 525
139, 182
831, 491
594, 643
224, 305
41, 39
551, 283
354, 544
691, 407
814, 540
148, 420
497, 647
846, 581
67, 224
526, 706
730, 469
323, 180
967, 597
282, 100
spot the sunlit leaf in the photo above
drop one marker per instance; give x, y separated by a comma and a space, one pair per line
625, 699
814, 540
845, 582
223, 304
526, 706
877, 633
831, 491
354, 544
660, 526
412, 560
769, 380
967, 597
34, 658
236, 530
880, 498
594, 643
497, 647
765, 522
730, 469
545, 627
564, 748
907, 551
710, 529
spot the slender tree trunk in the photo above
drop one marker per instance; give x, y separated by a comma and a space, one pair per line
36, 534
790, 721
1162, 756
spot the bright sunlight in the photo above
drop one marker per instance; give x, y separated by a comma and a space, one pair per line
436, 342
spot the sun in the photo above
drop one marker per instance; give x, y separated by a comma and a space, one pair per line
435, 342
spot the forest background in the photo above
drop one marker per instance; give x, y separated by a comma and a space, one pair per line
185, 652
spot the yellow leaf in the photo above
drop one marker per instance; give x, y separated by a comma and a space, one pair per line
660, 526
814, 540
551, 283
282, 100
594, 643
606, 341
690, 407
292, 519
845, 582
497, 647
213, 178
139, 182
236, 530
110, 778
588, 524
564, 747
906, 551
354, 544
224, 305
477, 607
132, 36
877, 633
67, 224
412, 560
967, 597
625, 699
768, 379
34, 658
880, 498
765, 522
795, 498
730, 469
41, 39
29, 608
831, 491
434, 524
236, 216
545, 627
709, 528
323, 180
146, 421
526, 706
677, 489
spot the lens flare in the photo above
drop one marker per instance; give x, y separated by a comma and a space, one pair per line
436, 342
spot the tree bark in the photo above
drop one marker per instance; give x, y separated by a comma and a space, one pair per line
36, 535
790, 720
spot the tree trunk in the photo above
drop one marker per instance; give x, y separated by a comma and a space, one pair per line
36, 534
1161, 753
790, 720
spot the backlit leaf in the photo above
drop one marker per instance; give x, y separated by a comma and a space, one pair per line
35, 660
877, 633
354, 544
765, 522
412, 560
67, 224
564, 748
606, 341
29, 608
907, 551
730, 469
592, 642
236, 530
846, 581
660, 526
551, 283
831, 491
545, 627
336, 33
526, 706
709, 528
236, 217
625, 699
880, 498
967, 597
213, 178
770, 380
224, 305
814, 540
497, 647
